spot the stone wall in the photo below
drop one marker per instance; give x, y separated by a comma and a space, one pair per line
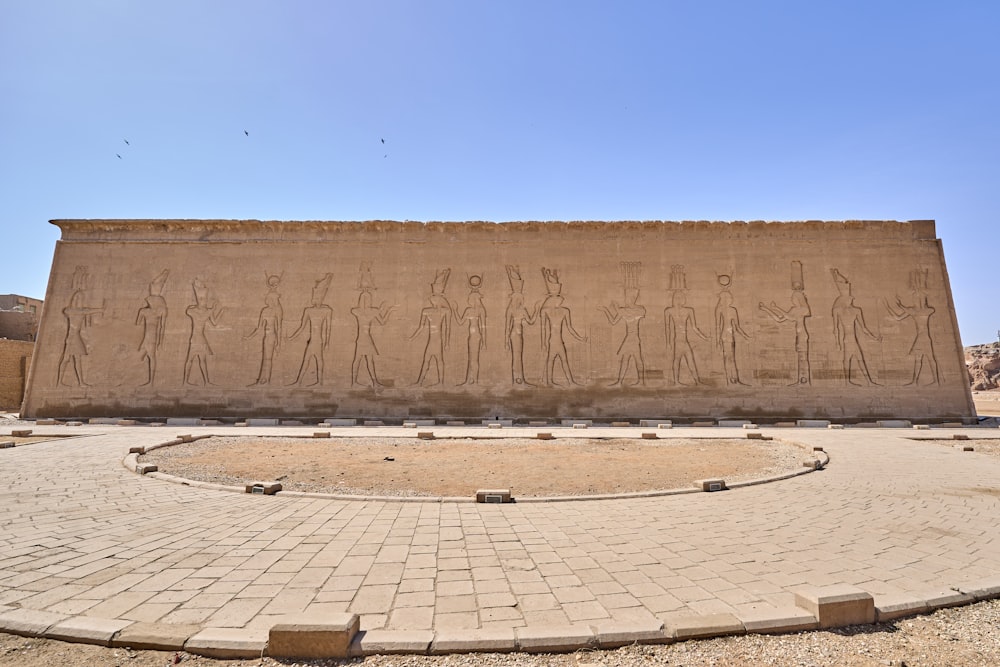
836, 320
15, 359
18, 325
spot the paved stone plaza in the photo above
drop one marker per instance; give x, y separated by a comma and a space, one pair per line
91, 550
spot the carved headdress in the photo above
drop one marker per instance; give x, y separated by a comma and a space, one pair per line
552, 284
440, 281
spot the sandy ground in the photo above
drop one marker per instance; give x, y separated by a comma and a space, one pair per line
987, 403
460, 466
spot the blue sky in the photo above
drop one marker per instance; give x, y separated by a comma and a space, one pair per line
504, 110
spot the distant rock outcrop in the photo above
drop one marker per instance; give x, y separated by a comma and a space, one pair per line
983, 362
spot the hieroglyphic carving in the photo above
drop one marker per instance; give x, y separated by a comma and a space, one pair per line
630, 350
727, 325
316, 322
269, 326
555, 319
475, 315
436, 318
516, 317
678, 320
367, 315
797, 313
922, 348
152, 317
848, 319
79, 318
202, 313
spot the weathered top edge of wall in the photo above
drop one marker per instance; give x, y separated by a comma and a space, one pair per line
273, 230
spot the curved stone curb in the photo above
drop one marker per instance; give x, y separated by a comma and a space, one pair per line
831, 607
130, 463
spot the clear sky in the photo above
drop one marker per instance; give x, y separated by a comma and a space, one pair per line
504, 110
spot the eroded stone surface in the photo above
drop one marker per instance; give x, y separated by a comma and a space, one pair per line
477, 320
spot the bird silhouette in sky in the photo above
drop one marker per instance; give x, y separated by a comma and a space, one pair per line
118, 156
126, 142
246, 133
383, 141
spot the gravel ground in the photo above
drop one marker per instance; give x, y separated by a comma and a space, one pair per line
967, 636
460, 466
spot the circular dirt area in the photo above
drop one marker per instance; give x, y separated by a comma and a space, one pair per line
460, 466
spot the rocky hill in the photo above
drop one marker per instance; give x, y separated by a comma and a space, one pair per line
984, 366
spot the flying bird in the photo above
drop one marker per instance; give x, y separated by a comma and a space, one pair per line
118, 156
246, 133
126, 142
383, 141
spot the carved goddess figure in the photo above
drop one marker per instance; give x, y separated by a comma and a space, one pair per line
269, 326
475, 316
516, 317
316, 322
202, 313
152, 317
727, 325
922, 349
630, 350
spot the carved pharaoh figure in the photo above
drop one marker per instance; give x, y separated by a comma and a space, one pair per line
848, 320
316, 323
630, 350
436, 319
366, 316
204, 312
678, 320
922, 348
79, 318
797, 313
152, 317
555, 320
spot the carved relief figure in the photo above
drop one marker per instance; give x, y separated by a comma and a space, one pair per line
205, 311
797, 313
152, 317
436, 319
555, 319
848, 319
727, 325
516, 318
630, 350
79, 318
367, 316
678, 320
269, 326
475, 316
922, 349
316, 322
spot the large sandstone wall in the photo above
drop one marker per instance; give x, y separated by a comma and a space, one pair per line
399, 320
15, 359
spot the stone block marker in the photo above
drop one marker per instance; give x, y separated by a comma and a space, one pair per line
308, 637
493, 496
263, 488
20, 433
145, 468
544, 436
425, 435
649, 435
837, 606
711, 484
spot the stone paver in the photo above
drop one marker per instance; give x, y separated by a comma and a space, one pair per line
910, 522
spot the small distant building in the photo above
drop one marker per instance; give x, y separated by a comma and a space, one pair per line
18, 330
